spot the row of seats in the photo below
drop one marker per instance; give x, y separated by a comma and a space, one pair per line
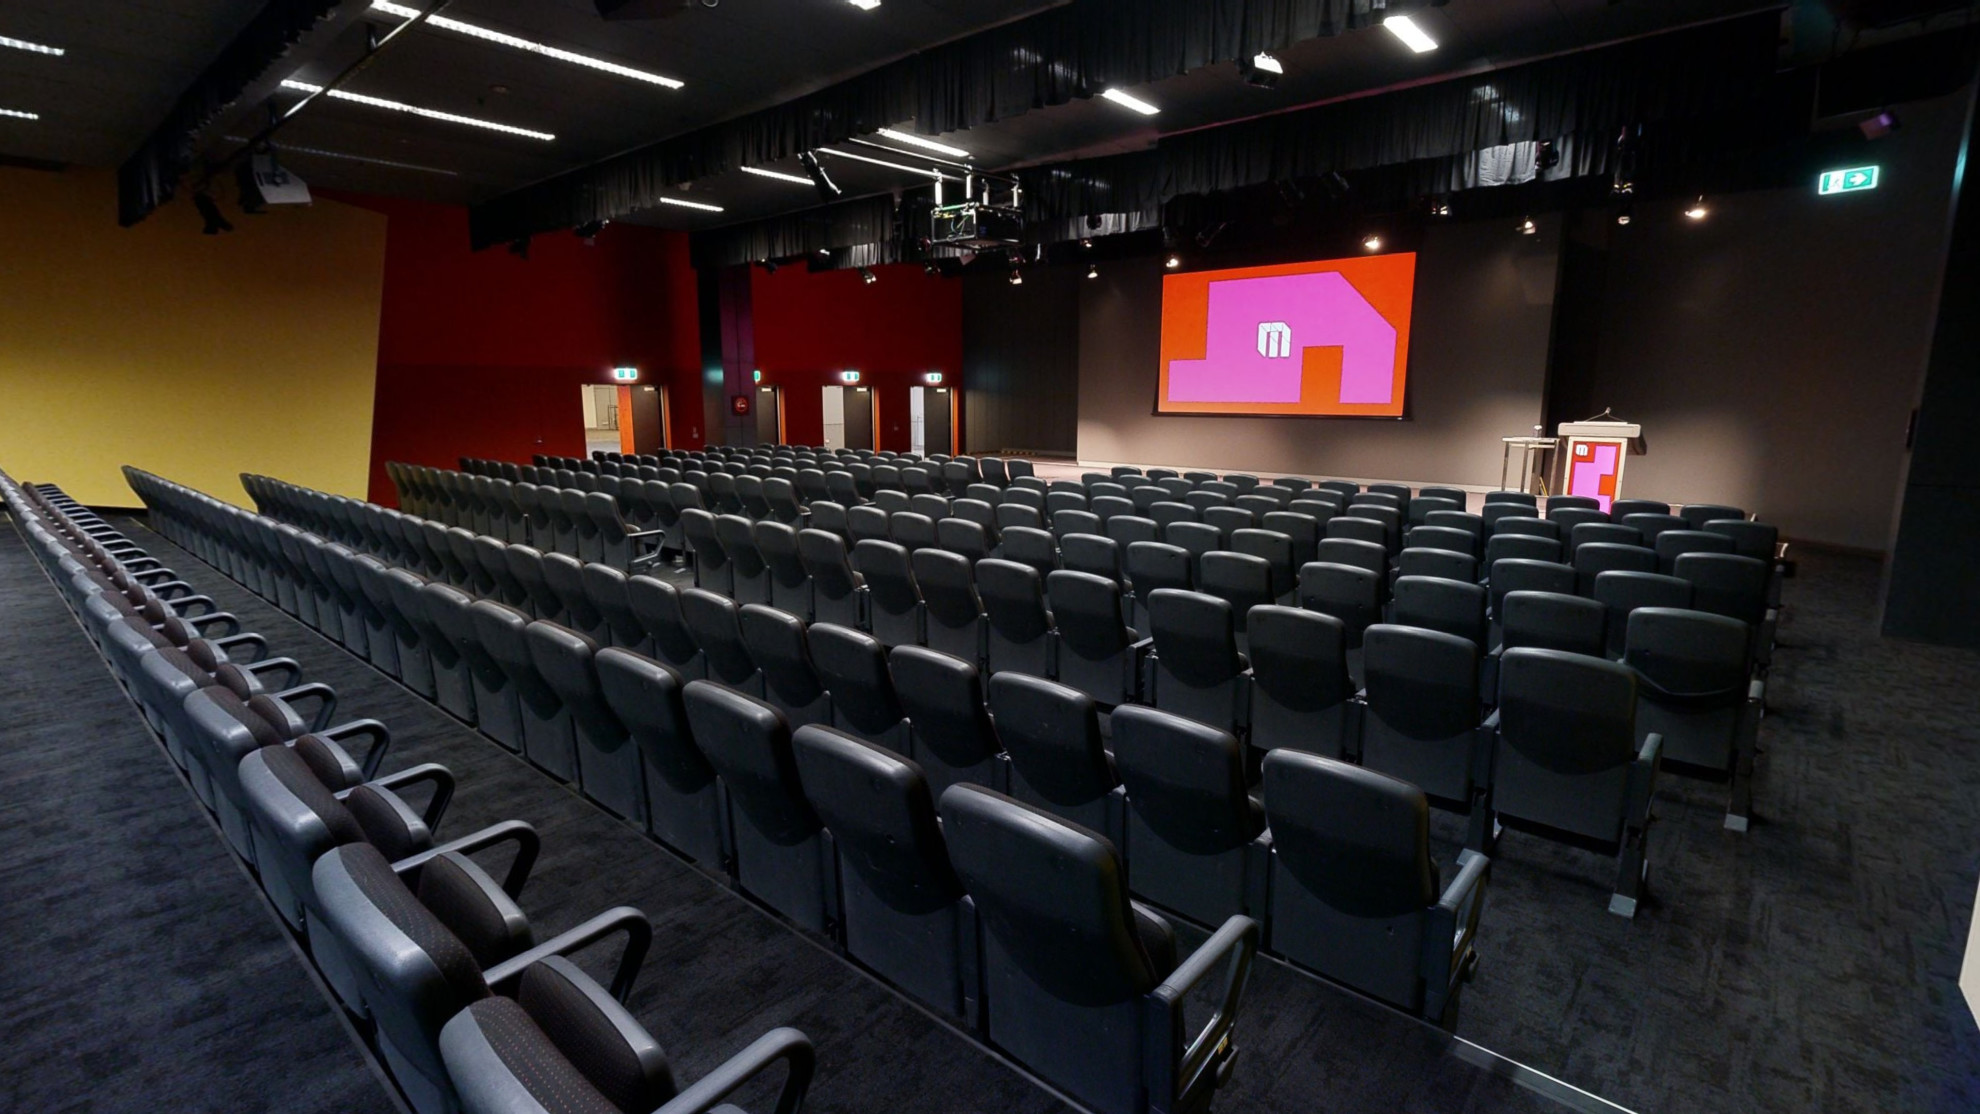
1297, 687
715, 773
423, 947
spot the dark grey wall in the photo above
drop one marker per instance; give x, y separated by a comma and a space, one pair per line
1478, 362
1021, 361
1772, 351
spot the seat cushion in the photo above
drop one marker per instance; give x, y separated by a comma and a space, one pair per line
556, 1085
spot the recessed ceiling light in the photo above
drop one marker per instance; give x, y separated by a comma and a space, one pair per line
914, 140
864, 5
1697, 209
17, 114
1412, 36
386, 7
1093, 270
1526, 227
1173, 261
32, 48
794, 179
701, 205
1128, 101
415, 110
1372, 242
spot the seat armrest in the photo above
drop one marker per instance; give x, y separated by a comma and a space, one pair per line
180, 605
527, 842
1172, 1074
633, 923
170, 590
224, 619
442, 780
259, 644
1643, 779
378, 733
785, 1044
291, 671
323, 695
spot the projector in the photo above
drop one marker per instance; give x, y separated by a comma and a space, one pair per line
973, 224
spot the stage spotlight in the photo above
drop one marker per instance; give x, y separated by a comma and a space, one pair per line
1697, 210
1262, 70
1173, 261
209, 211
820, 181
1093, 270
1086, 245
1017, 277
867, 276
1372, 242
1880, 125
1625, 213
1526, 226
1440, 207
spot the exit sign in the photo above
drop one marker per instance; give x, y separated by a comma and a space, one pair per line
1850, 179
625, 374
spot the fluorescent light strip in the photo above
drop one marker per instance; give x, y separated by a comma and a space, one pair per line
1126, 101
32, 48
285, 149
1412, 36
930, 171
476, 31
19, 115
864, 5
779, 175
415, 110
914, 140
701, 205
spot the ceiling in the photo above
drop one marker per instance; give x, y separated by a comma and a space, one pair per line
127, 59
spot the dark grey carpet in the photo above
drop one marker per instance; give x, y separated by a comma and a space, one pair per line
723, 971
139, 969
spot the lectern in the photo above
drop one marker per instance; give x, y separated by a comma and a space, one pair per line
1593, 463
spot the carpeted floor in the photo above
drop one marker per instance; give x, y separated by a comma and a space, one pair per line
1807, 965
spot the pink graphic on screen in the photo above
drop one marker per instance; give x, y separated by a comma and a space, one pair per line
1247, 359
1593, 464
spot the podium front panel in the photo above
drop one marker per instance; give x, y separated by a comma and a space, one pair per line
1594, 468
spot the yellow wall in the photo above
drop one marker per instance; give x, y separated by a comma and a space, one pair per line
195, 357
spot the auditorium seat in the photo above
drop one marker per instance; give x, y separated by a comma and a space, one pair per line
563, 1043
952, 619
1192, 829
904, 914
1672, 544
1362, 553
954, 739
1094, 554
657, 605
496, 708
1621, 593
829, 516
1051, 734
963, 536
1197, 671
1455, 607
548, 738
1081, 985
1567, 763
606, 589
413, 631
712, 620
1421, 508
853, 666
608, 765
1241, 580
749, 573
1019, 634
1553, 621
1420, 718
870, 522
1153, 565
711, 562
1443, 537
1281, 562
1547, 528
1620, 509
777, 643
1029, 546
1651, 526
1734, 586
838, 594
1696, 515
427, 939
683, 806
1097, 653
526, 564
1442, 563
1356, 895
1348, 593
1301, 695
565, 575
1591, 559
893, 601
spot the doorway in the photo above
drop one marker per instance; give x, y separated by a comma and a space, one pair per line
932, 420
769, 415
647, 407
849, 417
601, 418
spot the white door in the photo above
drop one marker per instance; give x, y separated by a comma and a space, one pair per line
918, 420
835, 417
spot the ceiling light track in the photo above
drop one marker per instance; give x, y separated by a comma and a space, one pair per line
32, 48
416, 110
528, 46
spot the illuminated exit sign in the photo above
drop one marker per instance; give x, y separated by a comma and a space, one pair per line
625, 374
1853, 179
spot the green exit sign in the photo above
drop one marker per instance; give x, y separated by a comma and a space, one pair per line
1850, 179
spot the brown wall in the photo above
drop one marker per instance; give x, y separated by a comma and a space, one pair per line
1478, 361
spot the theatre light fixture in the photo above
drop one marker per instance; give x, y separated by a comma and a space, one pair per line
685, 204
1412, 36
1126, 100
778, 175
914, 140
416, 110
515, 42
1697, 210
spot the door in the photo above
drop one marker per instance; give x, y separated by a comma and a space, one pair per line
858, 407
649, 419
834, 409
769, 415
932, 420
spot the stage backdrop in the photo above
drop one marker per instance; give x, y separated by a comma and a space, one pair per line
1326, 338
1477, 357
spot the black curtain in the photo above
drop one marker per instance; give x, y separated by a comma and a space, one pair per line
1042, 60
150, 177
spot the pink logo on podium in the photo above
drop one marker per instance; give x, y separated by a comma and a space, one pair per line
1258, 328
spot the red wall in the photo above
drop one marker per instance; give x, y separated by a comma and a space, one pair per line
482, 353
809, 327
